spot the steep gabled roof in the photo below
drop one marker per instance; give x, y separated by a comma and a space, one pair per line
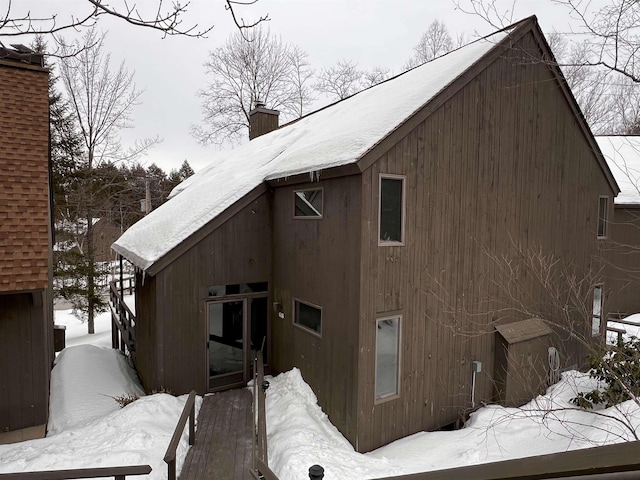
346, 135
622, 153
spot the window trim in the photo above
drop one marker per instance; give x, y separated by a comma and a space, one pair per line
308, 217
603, 221
294, 317
593, 314
403, 179
386, 398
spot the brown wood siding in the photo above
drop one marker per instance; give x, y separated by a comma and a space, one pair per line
316, 261
146, 329
622, 293
25, 360
236, 252
502, 163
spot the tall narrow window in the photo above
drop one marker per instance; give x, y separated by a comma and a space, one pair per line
387, 357
307, 203
308, 316
391, 210
596, 316
603, 210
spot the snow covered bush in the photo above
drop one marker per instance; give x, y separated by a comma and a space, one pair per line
618, 371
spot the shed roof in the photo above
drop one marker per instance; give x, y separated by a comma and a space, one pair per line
622, 153
523, 330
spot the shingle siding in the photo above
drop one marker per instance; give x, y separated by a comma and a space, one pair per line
24, 197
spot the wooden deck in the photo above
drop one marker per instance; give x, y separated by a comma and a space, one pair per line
223, 445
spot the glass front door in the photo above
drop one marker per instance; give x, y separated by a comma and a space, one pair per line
231, 323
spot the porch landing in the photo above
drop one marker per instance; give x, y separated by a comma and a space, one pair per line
223, 445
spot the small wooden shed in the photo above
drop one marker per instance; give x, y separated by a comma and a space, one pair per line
525, 360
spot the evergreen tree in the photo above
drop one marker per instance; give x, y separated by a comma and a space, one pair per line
176, 177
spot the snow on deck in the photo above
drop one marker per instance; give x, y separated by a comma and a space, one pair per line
334, 136
623, 156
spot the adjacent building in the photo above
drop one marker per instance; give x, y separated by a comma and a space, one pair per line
26, 314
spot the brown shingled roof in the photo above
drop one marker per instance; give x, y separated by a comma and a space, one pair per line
24, 180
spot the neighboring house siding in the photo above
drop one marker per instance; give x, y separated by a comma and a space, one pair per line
24, 361
316, 261
622, 293
24, 181
26, 312
171, 328
502, 163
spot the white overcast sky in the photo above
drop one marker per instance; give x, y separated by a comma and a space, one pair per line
170, 70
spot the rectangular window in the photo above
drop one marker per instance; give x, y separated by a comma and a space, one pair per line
387, 357
391, 210
307, 203
308, 316
596, 316
603, 210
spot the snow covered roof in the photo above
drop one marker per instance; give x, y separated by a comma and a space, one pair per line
623, 156
335, 136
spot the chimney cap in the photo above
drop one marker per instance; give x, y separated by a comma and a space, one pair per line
259, 104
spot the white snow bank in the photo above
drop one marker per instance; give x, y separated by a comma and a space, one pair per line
337, 135
300, 435
88, 429
138, 434
80, 396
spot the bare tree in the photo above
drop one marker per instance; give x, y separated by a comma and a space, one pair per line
341, 80
600, 57
17, 19
345, 78
612, 33
101, 100
434, 42
300, 77
375, 76
250, 67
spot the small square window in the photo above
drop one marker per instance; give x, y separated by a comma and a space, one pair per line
596, 315
391, 210
307, 203
308, 316
387, 357
603, 210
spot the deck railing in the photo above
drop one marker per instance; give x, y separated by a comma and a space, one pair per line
619, 462
119, 473
123, 320
260, 456
188, 412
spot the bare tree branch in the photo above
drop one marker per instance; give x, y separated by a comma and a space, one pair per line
169, 19
252, 65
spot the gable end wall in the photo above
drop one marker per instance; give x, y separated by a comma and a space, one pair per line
501, 164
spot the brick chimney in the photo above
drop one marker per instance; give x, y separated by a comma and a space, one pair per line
262, 120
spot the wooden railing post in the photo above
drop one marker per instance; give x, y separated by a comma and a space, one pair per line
188, 412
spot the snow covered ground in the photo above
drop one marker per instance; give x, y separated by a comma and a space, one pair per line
300, 435
88, 429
